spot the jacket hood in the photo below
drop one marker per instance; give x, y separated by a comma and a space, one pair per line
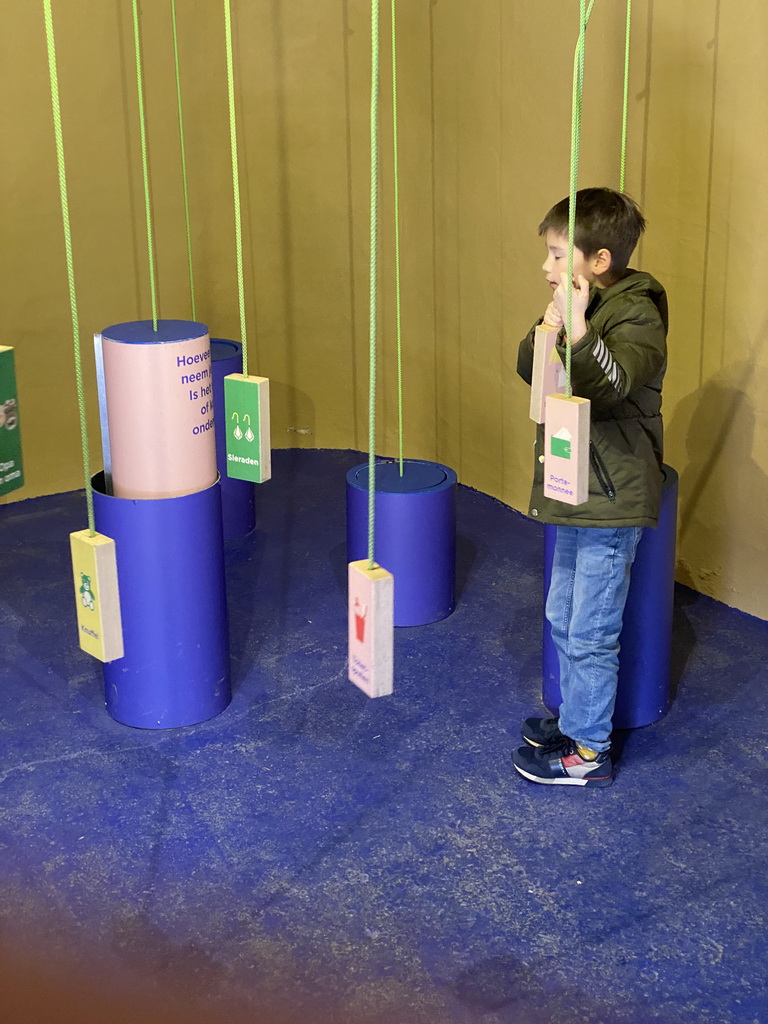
636, 283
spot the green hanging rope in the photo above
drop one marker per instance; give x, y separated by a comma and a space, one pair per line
235, 180
373, 282
145, 163
56, 108
397, 239
578, 86
626, 96
183, 157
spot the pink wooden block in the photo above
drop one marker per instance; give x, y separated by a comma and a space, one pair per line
371, 628
548, 370
566, 449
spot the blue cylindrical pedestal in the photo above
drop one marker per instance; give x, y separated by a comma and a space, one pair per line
238, 504
646, 637
170, 570
415, 534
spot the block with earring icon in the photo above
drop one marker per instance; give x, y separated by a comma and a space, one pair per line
246, 421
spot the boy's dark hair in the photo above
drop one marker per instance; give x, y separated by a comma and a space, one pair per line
604, 220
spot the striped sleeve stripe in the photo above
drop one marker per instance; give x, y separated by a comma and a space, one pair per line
607, 363
602, 355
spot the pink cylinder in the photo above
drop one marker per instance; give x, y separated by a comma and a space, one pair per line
157, 390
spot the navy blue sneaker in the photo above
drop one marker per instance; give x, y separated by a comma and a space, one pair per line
562, 765
541, 732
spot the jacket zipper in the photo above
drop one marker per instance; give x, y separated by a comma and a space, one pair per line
602, 474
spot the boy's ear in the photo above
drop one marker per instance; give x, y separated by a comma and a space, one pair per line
601, 261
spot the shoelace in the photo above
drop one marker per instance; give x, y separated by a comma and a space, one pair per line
560, 746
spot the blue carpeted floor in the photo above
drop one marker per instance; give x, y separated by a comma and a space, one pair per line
314, 855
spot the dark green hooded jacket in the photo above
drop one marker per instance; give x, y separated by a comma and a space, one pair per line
618, 365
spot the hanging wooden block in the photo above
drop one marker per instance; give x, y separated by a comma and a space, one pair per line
371, 628
566, 449
548, 370
11, 468
246, 415
94, 566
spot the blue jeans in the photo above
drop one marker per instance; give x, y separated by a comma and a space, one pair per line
585, 607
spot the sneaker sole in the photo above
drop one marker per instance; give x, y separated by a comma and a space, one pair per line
566, 780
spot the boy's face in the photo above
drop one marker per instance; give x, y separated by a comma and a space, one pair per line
556, 262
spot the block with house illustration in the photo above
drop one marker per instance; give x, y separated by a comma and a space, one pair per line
566, 449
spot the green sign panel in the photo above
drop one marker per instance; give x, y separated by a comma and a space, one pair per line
11, 470
246, 414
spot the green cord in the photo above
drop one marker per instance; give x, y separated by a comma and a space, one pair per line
626, 97
397, 238
235, 180
578, 86
56, 108
374, 247
144, 163
183, 157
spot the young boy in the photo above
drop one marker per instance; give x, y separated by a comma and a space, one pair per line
618, 359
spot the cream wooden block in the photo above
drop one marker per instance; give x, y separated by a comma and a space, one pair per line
371, 628
99, 624
548, 371
566, 449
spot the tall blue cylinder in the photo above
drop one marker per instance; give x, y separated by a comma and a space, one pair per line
415, 518
170, 571
646, 636
238, 504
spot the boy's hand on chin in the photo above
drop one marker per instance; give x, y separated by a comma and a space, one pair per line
579, 304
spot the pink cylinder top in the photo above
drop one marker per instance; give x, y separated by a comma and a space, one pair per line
158, 390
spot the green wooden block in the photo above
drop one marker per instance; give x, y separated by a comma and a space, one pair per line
246, 421
11, 469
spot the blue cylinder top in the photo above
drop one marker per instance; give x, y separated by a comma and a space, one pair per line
418, 476
139, 332
221, 348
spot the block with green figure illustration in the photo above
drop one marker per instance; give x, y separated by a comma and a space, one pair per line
97, 598
246, 422
11, 469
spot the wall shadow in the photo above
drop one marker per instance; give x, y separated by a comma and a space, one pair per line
722, 485
293, 416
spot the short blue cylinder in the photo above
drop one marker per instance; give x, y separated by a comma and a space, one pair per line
415, 534
238, 504
646, 637
170, 570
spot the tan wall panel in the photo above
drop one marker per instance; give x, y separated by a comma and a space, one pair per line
484, 135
